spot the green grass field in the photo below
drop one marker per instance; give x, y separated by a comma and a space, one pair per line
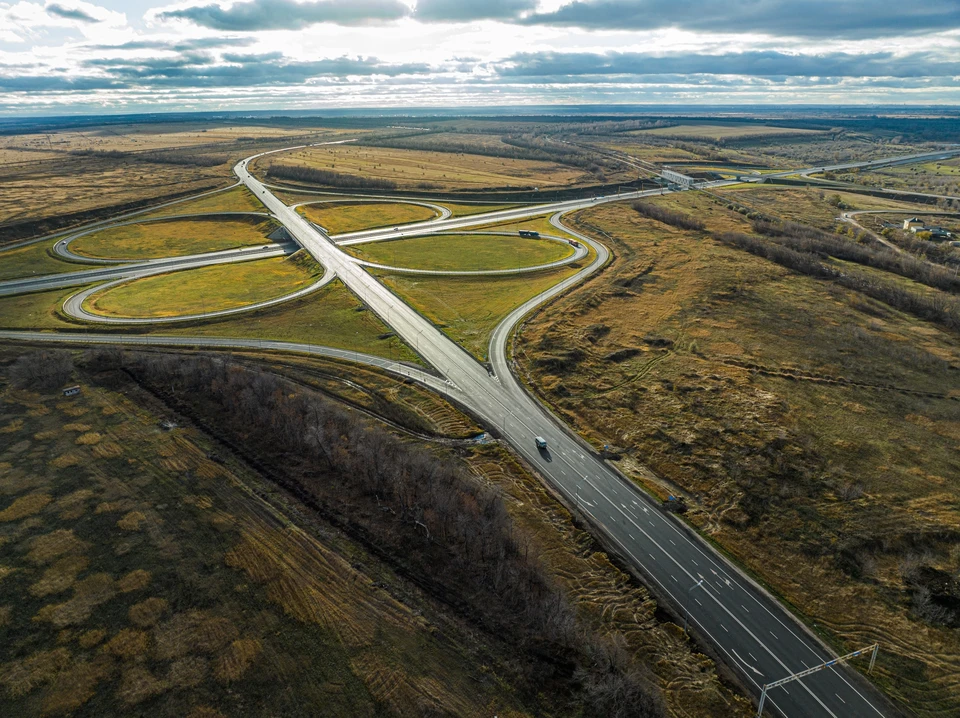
39, 310
238, 199
207, 289
467, 309
342, 217
537, 224
154, 240
32, 260
462, 252
331, 316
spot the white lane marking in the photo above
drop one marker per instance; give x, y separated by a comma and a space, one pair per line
748, 611
671, 541
724, 628
841, 699
651, 556
752, 668
698, 601
716, 600
674, 578
774, 636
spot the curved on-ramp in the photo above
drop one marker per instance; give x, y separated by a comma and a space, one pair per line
73, 305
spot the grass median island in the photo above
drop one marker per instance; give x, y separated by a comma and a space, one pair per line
467, 210
332, 316
468, 309
176, 237
34, 260
207, 289
37, 310
463, 252
342, 217
238, 199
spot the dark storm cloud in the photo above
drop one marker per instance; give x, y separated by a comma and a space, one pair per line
70, 13
287, 14
463, 11
800, 18
752, 63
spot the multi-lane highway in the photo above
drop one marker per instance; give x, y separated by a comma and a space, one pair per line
754, 634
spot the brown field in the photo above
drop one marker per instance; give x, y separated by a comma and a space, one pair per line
142, 573
725, 379
806, 204
147, 136
719, 130
409, 168
85, 184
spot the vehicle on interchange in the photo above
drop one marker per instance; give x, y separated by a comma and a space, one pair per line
529, 233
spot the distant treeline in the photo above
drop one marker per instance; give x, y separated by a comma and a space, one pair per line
935, 307
668, 216
312, 175
811, 240
160, 158
431, 514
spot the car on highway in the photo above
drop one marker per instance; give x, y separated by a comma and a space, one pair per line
540, 442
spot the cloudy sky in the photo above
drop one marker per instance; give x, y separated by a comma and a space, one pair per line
68, 56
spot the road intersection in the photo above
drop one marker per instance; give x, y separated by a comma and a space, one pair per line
744, 626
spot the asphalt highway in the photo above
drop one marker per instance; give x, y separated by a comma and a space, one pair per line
755, 635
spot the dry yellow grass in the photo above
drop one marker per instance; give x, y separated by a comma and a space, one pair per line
76, 426
91, 638
13, 427
47, 547
128, 644
60, 576
411, 167
89, 439
234, 661
138, 684
188, 671
21, 677
88, 593
148, 612
25, 506
193, 631
132, 521
5, 612
64, 461
75, 685
136, 580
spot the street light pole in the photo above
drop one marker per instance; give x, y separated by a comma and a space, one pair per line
686, 613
